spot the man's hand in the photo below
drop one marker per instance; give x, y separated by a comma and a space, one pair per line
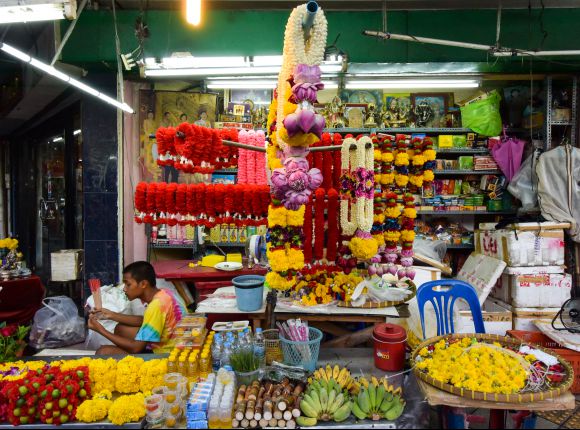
102, 313
95, 325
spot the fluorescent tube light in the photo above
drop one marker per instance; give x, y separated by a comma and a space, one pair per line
254, 84
412, 83
211, 71
31, 13
57, 139
62, 76
267, 60
193, 11
77, 132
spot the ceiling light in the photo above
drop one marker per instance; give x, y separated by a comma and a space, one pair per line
62, 76
254, 84
211, 71
267, 60
412, 83
193, 11
58, 139
48, 11
77, 132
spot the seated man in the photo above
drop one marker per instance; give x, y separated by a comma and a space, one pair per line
153, 330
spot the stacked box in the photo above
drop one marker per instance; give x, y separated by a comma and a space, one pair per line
198, 403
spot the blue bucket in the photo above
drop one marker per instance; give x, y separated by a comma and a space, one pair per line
249, 292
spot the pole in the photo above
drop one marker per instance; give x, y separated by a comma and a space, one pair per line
311, 9
68, 33
420, 39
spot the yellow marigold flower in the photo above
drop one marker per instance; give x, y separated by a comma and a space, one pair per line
428, 176
279, 283
378, 154
388, 157
407, 235
299, 139
279, 261
93, 410
277, 216
418, 160
424, 352
103, 374
392, 236
127, 409
296, 218
392, 212
402, 159
363, 249
410, 213
152, 372
387, 178
429, 155
104, 394
289, 107
128, 375
295, 258
416, 180
531, 358
401, 180
379, 238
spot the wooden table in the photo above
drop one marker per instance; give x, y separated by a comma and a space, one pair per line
183, 277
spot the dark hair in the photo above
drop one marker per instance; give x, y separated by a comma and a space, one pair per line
141, 271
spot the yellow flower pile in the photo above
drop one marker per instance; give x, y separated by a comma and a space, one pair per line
128, 375
127, 409
151, 374
345, 284
474, 366
103, 373
22, 366
9, 243
362, 248
93, 410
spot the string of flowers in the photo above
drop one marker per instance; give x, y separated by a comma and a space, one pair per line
319, 205
292, 129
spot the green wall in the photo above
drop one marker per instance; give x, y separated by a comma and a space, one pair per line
261, 32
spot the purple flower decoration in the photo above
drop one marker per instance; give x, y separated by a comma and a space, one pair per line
305, 73
304, 121
294, 183
306, 92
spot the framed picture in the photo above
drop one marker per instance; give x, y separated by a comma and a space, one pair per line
355, 114
438, 103
223, 178
395, 100
361, 96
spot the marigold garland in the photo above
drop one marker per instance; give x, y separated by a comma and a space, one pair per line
127, 409
128, 376
94, 410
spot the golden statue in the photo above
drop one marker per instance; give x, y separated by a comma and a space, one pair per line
370, 116
395, 115
334, 113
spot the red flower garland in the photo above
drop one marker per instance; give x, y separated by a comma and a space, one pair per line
230, 192
219, 202
200, 190
265, 201
165, 145
238, 204
333, 226
318, 157
248, 205
140, 202
170, 204
319, 224
308, 233
336, 171
180, 203
160, 203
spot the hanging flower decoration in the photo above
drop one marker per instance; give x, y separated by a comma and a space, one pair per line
293, 126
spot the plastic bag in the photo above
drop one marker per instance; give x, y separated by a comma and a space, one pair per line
114, 299
57, 324
483, 116
524, 184
434, 249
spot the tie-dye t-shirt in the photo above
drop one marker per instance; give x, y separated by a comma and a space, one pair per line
161, 316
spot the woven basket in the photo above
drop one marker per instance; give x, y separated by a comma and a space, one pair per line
378, 305
479, 395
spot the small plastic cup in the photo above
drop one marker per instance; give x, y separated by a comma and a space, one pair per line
171, 380
154, 405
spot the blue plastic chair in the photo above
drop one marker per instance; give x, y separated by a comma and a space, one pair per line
443, 300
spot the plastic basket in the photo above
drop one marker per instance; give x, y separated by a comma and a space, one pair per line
539, 338
272, 345
303, 354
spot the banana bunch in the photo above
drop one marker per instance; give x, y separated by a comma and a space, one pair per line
340, 375
364, 382
325, 401
375, 401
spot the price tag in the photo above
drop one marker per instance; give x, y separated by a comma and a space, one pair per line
239, 110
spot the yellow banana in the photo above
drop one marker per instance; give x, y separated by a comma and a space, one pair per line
335, 371
397, 392
375, 381
328, 371
363, 381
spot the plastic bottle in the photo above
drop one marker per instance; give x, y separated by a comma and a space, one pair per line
192, 368
172, 363
204, 365
216, 352
226, 352
259, 346
182, 365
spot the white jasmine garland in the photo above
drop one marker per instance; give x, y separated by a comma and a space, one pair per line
298, 51
348, 159
365, 206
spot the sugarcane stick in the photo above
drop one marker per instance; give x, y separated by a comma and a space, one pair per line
240, 410
273, 422
241, 393
259, 408
278, 414
287, 415
261, 392
253, 393
285, 381
267, 414
263, 423
281, 424
291, 424
247, 393
235, 424
245, 423
296, 412
298, 389
253, 424
250, 409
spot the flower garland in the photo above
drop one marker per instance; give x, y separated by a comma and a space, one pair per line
348, 158
293, 126
201, 204
319, 224
333, 229
308, 232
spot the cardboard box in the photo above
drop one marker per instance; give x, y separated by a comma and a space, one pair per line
497, 319
482, 272
523, 318
534, 287
66, 265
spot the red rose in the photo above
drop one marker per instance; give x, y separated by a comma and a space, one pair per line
8, 330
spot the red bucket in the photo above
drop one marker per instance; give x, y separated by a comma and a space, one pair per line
389, 342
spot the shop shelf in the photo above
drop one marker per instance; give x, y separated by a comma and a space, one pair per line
172, 246
561, 122
225, 244
222, 171
464, 246
462, 151
467, 172
425, 130
348, 130
442, 213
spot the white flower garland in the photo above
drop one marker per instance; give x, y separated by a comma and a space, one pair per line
297, 51
347, 158
364, 205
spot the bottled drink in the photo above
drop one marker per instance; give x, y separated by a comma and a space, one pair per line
216, 352
192, 368
182, 365
259, 346
225, 358
172, 364
204, 365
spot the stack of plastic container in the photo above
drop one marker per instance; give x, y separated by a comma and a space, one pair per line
165, 407
198, 403
222, 401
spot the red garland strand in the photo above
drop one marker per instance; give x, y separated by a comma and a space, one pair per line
327, 161
151, 207
165, 145
247, 205
190, 201
319, 224
230, 192
219, 199
140, 195
180, 199
210, 205
170, 204
265, 203
160, 203
336, 171
238, 205
308, 233
256, 203
200, 197
333, 223
317, 157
